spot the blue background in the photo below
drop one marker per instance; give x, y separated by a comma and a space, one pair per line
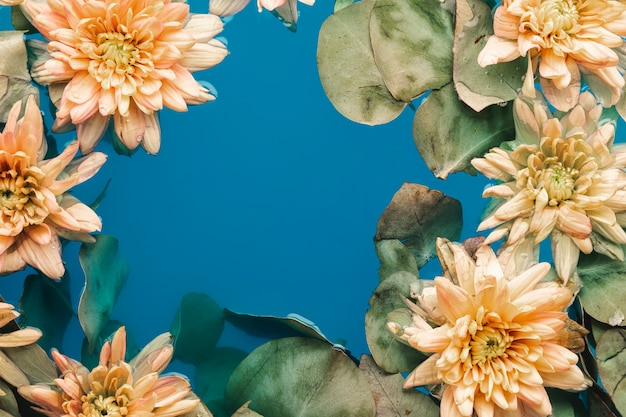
266, 199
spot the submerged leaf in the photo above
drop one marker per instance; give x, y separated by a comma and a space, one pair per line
45, 305
10, 372
272, 327
390, 354
448, 134
347, 69
197, 327
417, 216
212, 376
8, 403
481, 87
611, 358
287, 14
105, 274
34, 363
412, 45
394, 256
603, 294
300, 377
391, 399
15, 82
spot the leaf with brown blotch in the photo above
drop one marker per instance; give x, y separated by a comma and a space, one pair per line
417, 216
391, 399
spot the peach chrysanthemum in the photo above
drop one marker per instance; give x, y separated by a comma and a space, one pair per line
566, 38
125, 60
114, 388
494, 343
35, 208
565, 179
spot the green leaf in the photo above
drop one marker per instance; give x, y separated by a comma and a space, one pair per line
390, 354
96, 203
14, 76
300, 377
348, 72
272, 327
391, 399
287, 14
481, 87
611, 358
8, 403
212, 376
197, 327
600, 405
603, 295
20, 21
448, 134
340, 4
412, 45
417, 216
106, 272
33, 362
564, 404
394, 256
45, 304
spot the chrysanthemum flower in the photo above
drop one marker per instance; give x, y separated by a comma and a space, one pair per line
566, 38
114, 388
35, 208
125, 60
493, 338
565, 180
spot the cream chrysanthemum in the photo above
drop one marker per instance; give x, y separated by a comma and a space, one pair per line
114, 388
565, 179
35, 207
566, 38
125, 60
493, 338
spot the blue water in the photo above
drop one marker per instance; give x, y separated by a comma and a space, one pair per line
266, 199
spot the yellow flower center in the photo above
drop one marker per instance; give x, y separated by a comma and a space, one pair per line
117, 52
119, 60
552, 20
21, 203
559, 182
97, 406
563, 168
488, 344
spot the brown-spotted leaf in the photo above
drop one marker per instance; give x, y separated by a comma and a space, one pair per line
14, 76
481, 87
391, 399
611, 358
417, 216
